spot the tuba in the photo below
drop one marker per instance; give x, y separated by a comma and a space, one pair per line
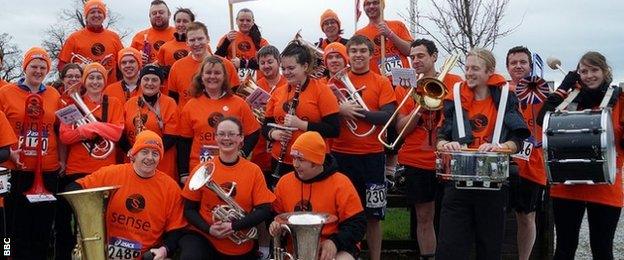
318, 53
232, 211
89, 207
349, 94
428, 94
99, 148
305, 229
255, 96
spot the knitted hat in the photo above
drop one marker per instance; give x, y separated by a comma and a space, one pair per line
132, 52
36, 53
99, 4
338, 48
329, 14
93, 67
311, 146
147, 139
154, 70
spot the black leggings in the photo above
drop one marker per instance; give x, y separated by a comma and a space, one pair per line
602, 221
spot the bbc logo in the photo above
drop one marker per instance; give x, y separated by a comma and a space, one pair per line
6, 249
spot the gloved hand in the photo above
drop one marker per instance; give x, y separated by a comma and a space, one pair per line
570, 80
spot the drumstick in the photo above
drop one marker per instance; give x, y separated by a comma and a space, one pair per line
555, 64
496, 150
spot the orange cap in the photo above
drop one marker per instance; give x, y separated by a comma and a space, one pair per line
130, 51
36, 53
99, 4
93, 67
147, 139
338, 48
311, 146
329, 14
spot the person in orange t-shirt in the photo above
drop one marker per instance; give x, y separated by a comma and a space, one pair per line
470, 213
527, 188
176, 48
94, 43
317, 185
130, 64
331, 27
316, 108
358, 153
417, 155
183, 71
153, 111
241, 46
27, 221
151, 39
210, 236
212, 100
7, 138
603, 202
146, 213
2, 81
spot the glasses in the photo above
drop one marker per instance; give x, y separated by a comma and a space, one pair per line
228, 135
69, 76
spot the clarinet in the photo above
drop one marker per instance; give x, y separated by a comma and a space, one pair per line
284, 143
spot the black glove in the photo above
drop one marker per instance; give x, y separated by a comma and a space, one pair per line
570, 81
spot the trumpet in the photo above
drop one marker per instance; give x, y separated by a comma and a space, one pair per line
349, 94
227, 213
255, 96
428, 94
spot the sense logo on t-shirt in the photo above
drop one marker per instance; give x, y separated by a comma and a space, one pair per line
214, 119
244, 46
179, 54
478, 122
135, 203
157, 44
98, 49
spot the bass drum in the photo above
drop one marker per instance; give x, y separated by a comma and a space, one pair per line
579, 147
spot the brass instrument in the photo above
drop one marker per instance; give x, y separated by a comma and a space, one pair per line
100, 148
428, 94
317, 71
349, 94
227, 213
305, 229
89, 207
255, 96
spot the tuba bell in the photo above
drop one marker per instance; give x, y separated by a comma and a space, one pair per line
428, 93
89, 208
227, 213
255, 96
305, 229
349, 94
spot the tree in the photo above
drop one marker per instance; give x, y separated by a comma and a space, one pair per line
460, 25
10, 69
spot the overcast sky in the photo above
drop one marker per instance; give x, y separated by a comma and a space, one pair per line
560, 28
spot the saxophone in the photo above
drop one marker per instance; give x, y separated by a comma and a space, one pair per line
226, 213
292, 109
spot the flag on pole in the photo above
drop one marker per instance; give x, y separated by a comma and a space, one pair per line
538, 66
358, 11
239, 1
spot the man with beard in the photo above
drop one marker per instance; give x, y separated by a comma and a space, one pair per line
94, 42
150, 39
130, 64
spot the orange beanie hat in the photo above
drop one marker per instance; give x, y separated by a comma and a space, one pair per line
147, 139
130, 51
329, 14
36, 53
93, 67
338, 48
311, 146
99, 4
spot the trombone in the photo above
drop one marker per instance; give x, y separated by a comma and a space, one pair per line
349, 94
428, 94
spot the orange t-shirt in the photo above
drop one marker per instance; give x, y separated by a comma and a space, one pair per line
261, 155
183, 71
244, 45
95, 46
612, 195
199, 118
116, 90
12, 102
419, 147
171, 52
168, 117
482, 118
333, 195
3, 83
315, 102
7, 137
154, 37
251, 191
394, 58
78, 159
140, 211
377, 92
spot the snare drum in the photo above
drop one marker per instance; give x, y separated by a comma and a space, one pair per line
579, 147
5, 175
472, 169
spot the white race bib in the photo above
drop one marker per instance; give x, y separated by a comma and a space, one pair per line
207, 152
121, 248
393, 61
28, 144
375, 195
525, 152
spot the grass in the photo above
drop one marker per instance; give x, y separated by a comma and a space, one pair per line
396, 226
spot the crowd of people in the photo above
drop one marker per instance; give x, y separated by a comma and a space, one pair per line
163, 112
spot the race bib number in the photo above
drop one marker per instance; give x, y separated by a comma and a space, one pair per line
393, 61
375, 195
28, 143
525, 152
207, 152
120, 248
243, 72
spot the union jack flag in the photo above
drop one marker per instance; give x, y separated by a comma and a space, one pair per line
532, 90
